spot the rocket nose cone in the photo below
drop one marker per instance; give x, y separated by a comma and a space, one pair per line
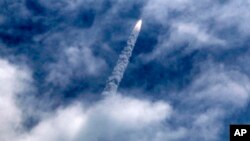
138, 25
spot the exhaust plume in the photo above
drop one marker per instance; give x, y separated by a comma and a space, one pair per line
122, 63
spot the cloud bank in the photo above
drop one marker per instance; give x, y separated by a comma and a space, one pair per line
109, 119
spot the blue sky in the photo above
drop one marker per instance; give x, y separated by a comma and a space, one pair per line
187, 80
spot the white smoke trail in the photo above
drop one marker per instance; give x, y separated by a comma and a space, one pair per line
122, 63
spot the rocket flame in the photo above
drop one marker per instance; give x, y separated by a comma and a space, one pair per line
138, 25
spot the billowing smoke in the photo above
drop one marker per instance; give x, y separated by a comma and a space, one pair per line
122, 63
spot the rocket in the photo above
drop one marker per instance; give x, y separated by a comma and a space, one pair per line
134, 34
122, 63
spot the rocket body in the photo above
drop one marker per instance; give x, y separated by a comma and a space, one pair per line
122, 63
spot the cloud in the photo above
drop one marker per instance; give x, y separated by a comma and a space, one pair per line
198, 24
186, 31
208, 122
127, 118
204, 107
79, 40
74, 61
239, 18
112, 118
220, 86
64, 124
204, 104
14, 80
109, 119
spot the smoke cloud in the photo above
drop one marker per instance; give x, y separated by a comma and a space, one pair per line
122, 63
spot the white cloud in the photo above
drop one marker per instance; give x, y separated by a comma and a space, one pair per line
218, 90
75, 61
199, 24
235, 13
126, 118
14, 80
208, 122
158, 9
134, 112
113, 118
63, 125
77, 57
205, 103
220, 86
193, 33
